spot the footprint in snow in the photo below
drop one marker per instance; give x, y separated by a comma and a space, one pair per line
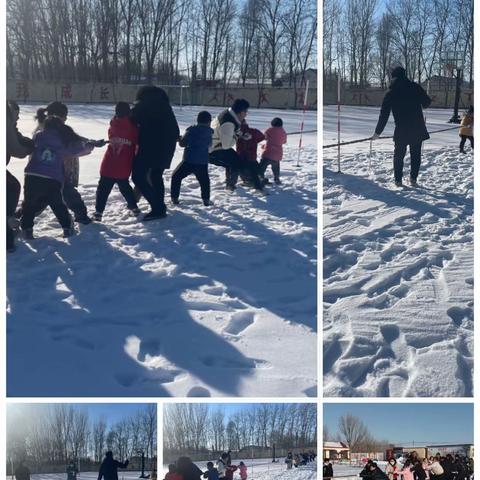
239, 322
458, 314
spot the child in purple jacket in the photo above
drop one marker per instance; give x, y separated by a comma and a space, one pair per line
45, 173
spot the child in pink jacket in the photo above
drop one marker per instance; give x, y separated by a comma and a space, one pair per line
273, 149
407, 471
243, 471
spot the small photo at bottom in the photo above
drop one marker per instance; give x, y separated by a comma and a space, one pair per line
398, 441
81, 441
244, 441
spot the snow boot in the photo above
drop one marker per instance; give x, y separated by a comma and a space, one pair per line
68, 232
154, 216
230, 188
175, 201
398, 183
208, 203
83, 219
97, 217
28, 234
413, 182
135, 211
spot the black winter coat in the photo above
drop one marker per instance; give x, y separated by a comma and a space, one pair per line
405, 100
158, 134
109, 467
190, 472
328, 471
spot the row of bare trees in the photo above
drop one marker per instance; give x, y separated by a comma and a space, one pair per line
353, 432
165, 41
55, 434
201, 427
364, 39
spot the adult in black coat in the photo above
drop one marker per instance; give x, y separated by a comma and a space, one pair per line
109, 467
327, 469
158, 136
17, 146
188, 470
22, 472
405, 100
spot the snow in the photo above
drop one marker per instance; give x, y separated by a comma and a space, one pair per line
398, 267
264, 469
122, 475
212, 301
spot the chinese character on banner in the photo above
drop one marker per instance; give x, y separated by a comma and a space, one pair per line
66, 91
22, 90
104, 93
263, 98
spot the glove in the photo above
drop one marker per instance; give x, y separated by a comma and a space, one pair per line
246, 136
98, 143
375, 136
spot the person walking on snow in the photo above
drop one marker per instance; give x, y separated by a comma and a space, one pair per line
117, 162
405, 100
466, 130
273, 149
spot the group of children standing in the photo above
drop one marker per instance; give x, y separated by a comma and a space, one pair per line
51, 175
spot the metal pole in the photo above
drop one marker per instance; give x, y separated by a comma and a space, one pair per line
181, 97
305, 104
338, 121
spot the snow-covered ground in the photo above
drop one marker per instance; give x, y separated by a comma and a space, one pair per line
122, 475
210, 301
264, 469
398, 266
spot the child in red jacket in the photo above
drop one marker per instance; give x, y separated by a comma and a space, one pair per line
247, 150
117, 163
172, 473
273, 149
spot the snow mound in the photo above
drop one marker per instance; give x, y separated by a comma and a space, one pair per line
398, 278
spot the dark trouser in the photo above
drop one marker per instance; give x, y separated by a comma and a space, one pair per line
265, 162
231, 161
184, 170
13, 194
39, 193
105, 185
150, 183
73, 200
415, 159
463, 141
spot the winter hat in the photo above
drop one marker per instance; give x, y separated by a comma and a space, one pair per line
277, 122
399, 72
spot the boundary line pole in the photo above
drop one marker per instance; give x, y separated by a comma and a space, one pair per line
305, 104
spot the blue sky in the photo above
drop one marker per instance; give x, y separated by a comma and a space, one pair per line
110, 412
403, 423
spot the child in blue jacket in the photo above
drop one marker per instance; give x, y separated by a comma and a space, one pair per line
197, 140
